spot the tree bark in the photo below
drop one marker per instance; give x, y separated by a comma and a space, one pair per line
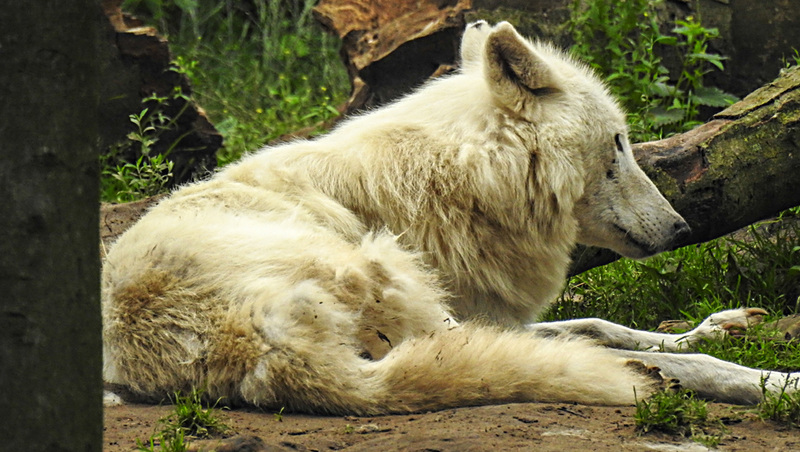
737, 169
390, 47
50, 342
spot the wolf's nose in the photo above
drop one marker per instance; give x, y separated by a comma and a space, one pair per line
682, 230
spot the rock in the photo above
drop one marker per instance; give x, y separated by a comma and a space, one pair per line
239, 443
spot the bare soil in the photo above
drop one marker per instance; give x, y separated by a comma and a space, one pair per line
526, 426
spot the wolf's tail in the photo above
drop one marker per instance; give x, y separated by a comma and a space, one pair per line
473, 365
468, 365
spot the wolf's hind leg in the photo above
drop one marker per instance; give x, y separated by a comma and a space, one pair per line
715, 379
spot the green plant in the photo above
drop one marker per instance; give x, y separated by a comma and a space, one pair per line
279, 415
795, 59
759, 348
620, 40
781, 407
261, 69
673, 413
188, 419
131, 169
165, 442
192, 418
757, 268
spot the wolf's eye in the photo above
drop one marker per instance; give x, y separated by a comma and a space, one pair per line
618, 140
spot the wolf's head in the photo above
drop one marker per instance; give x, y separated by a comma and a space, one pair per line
574, 118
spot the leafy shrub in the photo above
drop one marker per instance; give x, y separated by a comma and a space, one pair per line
131, 170
262, 69
621, 41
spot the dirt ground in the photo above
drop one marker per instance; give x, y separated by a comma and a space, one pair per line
527, 426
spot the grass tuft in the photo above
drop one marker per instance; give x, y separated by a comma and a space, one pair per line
677, 413
189, 419
783, 407
670, 412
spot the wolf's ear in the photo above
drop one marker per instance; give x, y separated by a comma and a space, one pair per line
473, 42
513, 70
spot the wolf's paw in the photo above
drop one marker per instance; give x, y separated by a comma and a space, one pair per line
653, 373
111, 399
731, 322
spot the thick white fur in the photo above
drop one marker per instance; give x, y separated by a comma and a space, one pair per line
329, 275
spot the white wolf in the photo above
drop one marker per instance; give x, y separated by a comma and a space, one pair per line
329, 275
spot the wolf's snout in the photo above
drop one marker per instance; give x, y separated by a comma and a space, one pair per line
681, 231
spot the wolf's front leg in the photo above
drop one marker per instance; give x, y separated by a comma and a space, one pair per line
617, 336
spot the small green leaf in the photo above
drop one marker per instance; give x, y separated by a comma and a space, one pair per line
661, 116
667, 40
661, 89
712, 97
712, 58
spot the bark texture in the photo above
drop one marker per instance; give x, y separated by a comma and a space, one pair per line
390, 47
50, 343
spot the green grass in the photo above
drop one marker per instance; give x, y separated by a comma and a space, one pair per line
259, 72
759, 348
759, 269
783, 407
189, 419
677, 413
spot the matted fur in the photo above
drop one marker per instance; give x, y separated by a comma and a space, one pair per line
329, 275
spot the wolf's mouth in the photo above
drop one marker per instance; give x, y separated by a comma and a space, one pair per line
645, 249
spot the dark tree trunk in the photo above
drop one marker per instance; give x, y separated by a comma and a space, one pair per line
50, 343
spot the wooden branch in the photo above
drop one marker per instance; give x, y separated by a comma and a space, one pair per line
739, 168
